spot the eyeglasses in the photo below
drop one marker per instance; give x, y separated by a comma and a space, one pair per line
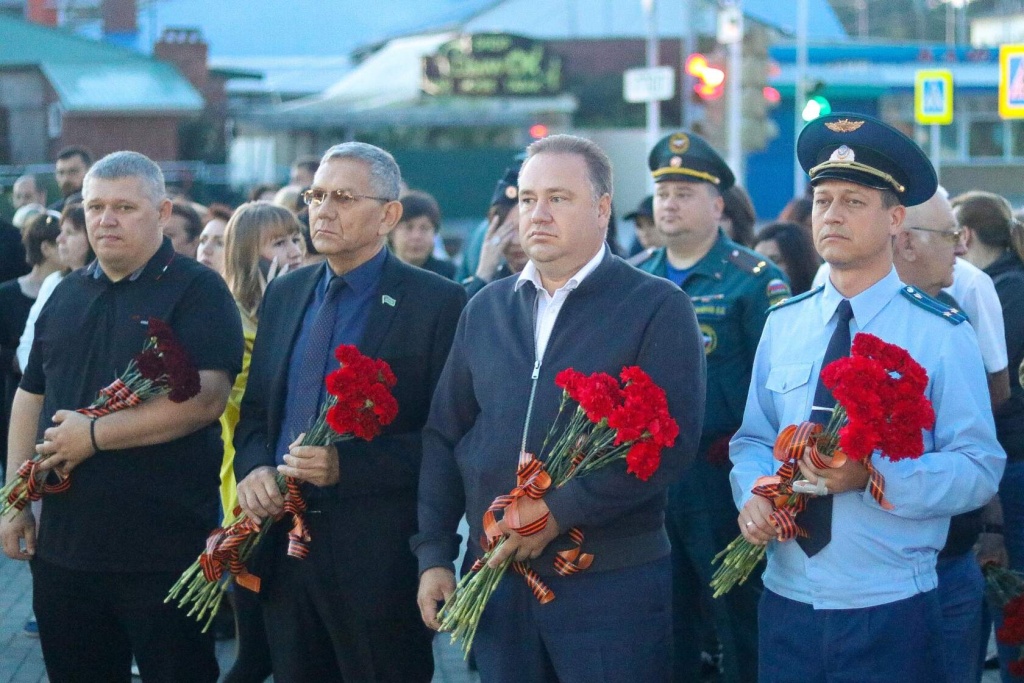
344, 198
952, 236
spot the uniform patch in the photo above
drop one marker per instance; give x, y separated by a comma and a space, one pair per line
777, 291
710, 339
511, 191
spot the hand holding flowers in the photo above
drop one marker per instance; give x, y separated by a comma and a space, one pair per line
880, 407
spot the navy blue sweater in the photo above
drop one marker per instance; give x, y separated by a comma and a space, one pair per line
618, 316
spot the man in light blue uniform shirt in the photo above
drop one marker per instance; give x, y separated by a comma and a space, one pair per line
863, 607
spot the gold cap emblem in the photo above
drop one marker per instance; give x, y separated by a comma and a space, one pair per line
679, 143
843, 125
511, 192
842, 153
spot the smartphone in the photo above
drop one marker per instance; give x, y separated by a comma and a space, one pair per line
265, 264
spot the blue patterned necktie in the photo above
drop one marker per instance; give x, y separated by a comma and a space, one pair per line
816, 519
313, 368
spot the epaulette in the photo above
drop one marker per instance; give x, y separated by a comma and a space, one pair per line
637, 259
799, 297
747, 262
954, 316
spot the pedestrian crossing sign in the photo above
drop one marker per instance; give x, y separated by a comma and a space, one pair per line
933, 96
1011, 81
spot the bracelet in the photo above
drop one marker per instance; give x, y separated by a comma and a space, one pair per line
992, 529
92, 434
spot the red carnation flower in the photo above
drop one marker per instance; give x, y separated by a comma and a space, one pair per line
643, 459
151, 365
1016, 668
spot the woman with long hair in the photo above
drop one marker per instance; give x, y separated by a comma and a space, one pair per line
261, 241
790, 247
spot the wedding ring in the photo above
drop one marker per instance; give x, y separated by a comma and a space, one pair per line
750, 524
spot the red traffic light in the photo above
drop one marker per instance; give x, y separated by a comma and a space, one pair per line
710, 80
538, 131
771, 94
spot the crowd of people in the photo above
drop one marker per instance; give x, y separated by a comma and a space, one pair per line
732, 315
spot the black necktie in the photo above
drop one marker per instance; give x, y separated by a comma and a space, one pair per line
816, 519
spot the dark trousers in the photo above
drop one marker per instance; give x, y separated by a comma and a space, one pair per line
701, 521
252, 659
91, 623
316, 634
605, 627
900, 641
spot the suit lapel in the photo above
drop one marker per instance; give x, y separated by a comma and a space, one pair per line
289, 326
385, 304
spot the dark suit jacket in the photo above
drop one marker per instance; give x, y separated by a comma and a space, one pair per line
372, 509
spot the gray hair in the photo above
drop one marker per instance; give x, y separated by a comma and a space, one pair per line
599, 166
28, 177
130, 165
385, 177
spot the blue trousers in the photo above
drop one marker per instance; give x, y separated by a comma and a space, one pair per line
898, 642
602, 627
961, 594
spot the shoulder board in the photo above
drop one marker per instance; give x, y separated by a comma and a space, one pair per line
954, 316
637, 259
799, 297
746, 261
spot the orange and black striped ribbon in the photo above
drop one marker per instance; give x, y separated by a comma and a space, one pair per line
222, 553
876, 484
119, 396
573, 560
295, 505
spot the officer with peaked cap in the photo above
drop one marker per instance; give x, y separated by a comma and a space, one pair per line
499, 252
855, 598
731, 288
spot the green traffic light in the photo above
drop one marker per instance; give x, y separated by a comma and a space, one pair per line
816, 106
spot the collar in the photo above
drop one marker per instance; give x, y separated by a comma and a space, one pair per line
867, 304
361, 278
530, 273
156, 265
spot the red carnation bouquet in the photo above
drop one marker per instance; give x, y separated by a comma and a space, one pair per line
880, 407
161, 368
614, 419
1005, 591
358, 404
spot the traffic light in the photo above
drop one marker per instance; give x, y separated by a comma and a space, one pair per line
757, 98
710, 83
817, 104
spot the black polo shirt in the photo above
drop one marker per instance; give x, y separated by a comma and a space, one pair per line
138, 509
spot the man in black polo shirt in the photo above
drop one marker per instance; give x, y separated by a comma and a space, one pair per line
144, 483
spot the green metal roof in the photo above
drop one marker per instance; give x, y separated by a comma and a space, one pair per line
91, 76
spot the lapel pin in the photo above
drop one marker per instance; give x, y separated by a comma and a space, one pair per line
389, 300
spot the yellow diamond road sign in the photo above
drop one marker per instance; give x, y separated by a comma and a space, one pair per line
1011, 81
933, 96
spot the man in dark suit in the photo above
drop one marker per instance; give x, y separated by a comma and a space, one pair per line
347, 611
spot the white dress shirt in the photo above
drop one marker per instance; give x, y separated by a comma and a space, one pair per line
548, 305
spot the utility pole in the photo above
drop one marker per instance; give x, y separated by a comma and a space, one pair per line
800, 96
653, 106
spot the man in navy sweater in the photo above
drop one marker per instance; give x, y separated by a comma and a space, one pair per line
574, 305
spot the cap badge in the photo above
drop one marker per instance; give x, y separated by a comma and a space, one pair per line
679, 143
842, 153
675, 162
511, 192
843, 125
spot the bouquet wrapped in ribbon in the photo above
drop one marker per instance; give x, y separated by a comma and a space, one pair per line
358, 404
880, 408
611, 422
161, 368
1005, 591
